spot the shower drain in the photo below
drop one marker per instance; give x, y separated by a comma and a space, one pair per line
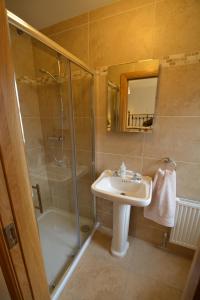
85, 228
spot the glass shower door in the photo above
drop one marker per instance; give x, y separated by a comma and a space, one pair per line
42, 83
81, 82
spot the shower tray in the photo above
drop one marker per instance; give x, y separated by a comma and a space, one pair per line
59, 241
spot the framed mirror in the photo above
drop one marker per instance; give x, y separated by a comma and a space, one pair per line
132, 90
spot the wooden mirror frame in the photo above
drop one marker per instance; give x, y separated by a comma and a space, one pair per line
146, 69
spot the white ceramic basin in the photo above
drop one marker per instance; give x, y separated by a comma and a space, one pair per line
124, 191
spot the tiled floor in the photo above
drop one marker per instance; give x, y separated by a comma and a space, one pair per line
145, 273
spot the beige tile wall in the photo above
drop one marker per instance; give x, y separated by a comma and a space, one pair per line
176, 134
129, 30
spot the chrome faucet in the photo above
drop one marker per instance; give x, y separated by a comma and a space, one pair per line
137, 177
133, 176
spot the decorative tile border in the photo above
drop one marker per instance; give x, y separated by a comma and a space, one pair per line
166, 61
180, 59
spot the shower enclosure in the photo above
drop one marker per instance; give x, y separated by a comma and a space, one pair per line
56, 112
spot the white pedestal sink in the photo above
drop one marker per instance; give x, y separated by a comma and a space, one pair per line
124, 193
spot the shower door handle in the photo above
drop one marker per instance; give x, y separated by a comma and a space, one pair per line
37, 187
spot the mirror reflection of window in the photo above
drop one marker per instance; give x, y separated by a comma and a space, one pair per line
141, 102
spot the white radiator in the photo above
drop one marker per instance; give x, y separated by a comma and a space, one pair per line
187, 224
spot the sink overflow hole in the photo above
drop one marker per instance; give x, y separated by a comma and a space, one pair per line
123, 194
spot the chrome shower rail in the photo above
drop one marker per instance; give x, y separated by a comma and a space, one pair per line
19, 23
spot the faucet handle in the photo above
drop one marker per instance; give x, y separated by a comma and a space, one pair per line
137, 176
115, 173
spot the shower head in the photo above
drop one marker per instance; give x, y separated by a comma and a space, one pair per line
48, 73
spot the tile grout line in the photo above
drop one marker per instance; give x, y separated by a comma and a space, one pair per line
123, 12
163, 116
68, 29
118, 154
176, 56
99, 19
144, 157
178, 161
154, 29
89, 39
176, 116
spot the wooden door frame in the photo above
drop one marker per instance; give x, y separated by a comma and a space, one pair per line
7, 268
11, 259
16, 199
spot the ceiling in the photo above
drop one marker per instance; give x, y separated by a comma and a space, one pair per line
43, 13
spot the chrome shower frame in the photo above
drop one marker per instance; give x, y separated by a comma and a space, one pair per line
31, 31
25, 27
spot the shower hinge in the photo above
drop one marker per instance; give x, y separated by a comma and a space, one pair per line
11, 235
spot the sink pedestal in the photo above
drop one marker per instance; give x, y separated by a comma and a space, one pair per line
124, 193
121, 217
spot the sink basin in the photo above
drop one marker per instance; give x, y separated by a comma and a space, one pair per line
124, 191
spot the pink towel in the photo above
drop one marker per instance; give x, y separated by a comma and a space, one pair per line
163, 204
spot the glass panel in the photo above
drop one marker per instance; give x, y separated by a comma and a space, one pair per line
4, 293
42, 83
83, 123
